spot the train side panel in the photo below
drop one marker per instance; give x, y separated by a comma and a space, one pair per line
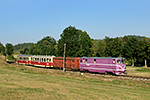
24, 59
103, 64
42, 61
70, 62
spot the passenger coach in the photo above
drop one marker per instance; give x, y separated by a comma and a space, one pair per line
42, 61
24, 59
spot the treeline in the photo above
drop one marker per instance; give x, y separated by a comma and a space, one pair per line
135, 49
20, 47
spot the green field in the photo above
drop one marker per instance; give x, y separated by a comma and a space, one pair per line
30, 83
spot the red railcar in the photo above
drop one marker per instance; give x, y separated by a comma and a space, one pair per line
42, 61
70, 62
24, 59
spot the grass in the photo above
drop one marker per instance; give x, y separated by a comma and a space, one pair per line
30, 83
138, 71
144, 70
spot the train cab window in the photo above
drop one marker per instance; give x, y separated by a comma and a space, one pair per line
118, 61
72, 60
123, 61
42, 60
94, 60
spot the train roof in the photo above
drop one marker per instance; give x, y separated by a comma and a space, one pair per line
34, 56
24, 55
103, 57
42, 56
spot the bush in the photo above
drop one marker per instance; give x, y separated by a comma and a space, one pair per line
10, 57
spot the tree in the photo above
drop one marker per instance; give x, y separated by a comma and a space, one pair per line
78, 43
143, 51
113, 47
129, 48
32, 49
9, 48
2, 49
25, 51
100, 49
45, 46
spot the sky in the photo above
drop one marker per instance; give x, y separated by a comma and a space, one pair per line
24, 21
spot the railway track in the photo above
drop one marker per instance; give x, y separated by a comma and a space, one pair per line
126, 77
135, 78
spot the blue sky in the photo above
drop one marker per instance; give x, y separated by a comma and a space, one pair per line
30, 20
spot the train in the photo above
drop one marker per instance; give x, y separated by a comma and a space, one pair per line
114, 65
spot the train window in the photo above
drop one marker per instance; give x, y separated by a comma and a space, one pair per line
35, 59
49, 59
85, 60
94, 60
123, 61
80, 60
72, 60
44, 59
118, 61
113, 61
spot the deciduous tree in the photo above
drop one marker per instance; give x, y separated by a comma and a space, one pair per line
129, 49
78, 43
9, 48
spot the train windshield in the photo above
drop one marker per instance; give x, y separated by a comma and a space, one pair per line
121, 61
